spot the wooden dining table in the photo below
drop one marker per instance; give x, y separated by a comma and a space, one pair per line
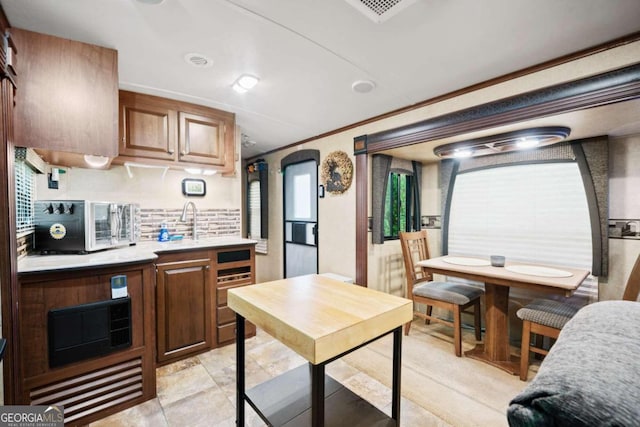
495, 349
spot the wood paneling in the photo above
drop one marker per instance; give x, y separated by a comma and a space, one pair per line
68, 98
8, 250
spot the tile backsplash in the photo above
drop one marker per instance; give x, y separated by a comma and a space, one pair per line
211, 223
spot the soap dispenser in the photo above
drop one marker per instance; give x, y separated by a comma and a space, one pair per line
164, 233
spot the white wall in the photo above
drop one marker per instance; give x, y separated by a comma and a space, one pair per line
337, 213
624, 203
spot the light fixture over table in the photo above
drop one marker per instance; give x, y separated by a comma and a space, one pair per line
504, 142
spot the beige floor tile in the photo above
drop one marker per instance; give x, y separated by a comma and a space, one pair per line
204, 408
226, 378
147, 414
183, 383
438, 389
177, 366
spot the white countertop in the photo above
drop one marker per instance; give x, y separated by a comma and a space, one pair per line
143, 251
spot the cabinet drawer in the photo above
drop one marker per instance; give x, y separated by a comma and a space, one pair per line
228, 332
235, 277
221, 294
226, 315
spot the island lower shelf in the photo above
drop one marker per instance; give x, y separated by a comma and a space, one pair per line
286, 401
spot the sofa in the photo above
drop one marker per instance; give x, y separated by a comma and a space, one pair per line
591, 376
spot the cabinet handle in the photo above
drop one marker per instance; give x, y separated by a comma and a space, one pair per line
170, 151
183, 153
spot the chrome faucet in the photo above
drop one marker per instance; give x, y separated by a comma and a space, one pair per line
183, 218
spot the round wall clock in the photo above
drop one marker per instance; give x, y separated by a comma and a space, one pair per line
337, 172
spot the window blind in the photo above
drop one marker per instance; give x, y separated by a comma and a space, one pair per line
531, 213
25, 193
254, 217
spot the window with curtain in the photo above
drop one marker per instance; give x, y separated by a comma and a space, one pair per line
528, 212
397, 205
395, 201
258, 204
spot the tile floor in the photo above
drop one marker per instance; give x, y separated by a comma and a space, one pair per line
438, 389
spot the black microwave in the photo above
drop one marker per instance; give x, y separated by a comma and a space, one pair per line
82, 226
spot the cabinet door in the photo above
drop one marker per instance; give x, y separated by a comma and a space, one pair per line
68, 95
183, 308
202, 139
147, 127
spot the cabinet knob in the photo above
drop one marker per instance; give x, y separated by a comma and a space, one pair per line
183, 153
170, 151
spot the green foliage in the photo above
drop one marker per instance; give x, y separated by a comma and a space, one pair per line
395, 205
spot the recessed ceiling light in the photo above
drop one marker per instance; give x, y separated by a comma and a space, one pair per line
244, 83
198, 60
363, 86
150, 1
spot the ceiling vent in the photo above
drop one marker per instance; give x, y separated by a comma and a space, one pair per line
380, 10
198, 60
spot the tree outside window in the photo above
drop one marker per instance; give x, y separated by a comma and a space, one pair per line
396, 206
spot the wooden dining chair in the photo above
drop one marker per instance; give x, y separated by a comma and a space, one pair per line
546, 318
454, 297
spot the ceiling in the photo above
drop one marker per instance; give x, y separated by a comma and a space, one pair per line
308, 53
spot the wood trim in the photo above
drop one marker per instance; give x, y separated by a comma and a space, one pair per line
8, 251
362, 240
631, 38
602, 89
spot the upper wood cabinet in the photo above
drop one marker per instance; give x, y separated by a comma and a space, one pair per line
68, 97
178, 134
148, 127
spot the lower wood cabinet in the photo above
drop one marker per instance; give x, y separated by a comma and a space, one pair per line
233, 267
95, 382
183, 295
192, 315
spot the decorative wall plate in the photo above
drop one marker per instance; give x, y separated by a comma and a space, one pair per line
337, 172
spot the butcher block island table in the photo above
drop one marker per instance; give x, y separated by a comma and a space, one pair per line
321, 319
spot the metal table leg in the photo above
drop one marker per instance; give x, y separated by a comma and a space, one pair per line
240, 384
397, 364
317, 394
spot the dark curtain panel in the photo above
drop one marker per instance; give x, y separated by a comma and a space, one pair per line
380, 168
263, 172
416, 223
592, 156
